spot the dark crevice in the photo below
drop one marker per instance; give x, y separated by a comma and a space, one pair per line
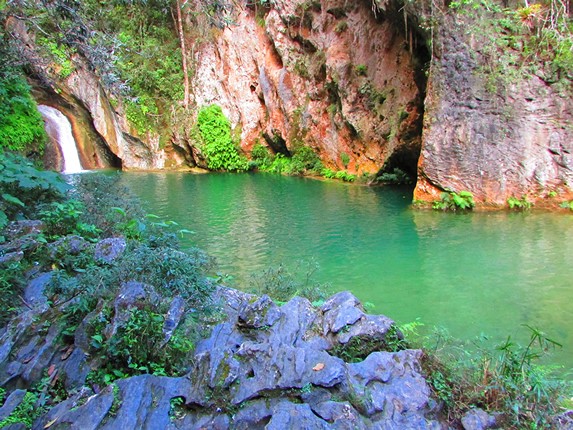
277, 143
403, 161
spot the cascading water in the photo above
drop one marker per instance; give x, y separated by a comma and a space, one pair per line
58, 126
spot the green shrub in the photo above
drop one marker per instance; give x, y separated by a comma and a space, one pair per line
138, 346
567, 205
25, 413
21, 125
341, 27
397, 176
345, 176
307, 159
519, 204
11, 285
64, 218
59, 54
23, 187
452, 201
261, 157
328, 173
361, 70
217, 145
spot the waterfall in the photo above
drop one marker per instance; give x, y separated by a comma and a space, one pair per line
58, 127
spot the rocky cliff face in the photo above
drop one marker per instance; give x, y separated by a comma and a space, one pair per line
332, 75
368, 85
492, 135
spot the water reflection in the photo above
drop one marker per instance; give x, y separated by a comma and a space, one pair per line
483, 272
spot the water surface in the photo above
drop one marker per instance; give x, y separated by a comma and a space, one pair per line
476, 273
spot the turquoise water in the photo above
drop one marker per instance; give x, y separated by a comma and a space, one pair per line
475, 273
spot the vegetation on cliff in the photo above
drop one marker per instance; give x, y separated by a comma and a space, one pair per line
21, 125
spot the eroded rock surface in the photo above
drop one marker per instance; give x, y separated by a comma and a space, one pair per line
264, 366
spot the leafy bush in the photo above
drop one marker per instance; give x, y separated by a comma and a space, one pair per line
25, 413
328, 173
345, 158
452, 201
261, 157
21, 125
519, 204
23, 187
11, 284
345, 176
306, 159
361, 70
59, 54
64, 218
217, 145
138, 346
567, 205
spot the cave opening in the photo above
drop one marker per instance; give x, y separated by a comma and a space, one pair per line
401, 165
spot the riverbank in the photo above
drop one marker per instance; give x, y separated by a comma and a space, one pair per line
116, 326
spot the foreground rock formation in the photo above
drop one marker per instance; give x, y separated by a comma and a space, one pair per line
259, 365
264, 366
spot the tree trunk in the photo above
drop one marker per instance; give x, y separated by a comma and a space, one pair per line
179, 20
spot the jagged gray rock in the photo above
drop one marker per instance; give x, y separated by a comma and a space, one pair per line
478, 419
264, 366
108, 250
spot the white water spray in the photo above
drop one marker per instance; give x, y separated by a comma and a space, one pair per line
58, 126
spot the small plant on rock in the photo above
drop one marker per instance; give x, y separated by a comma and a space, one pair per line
451, 201
519, 204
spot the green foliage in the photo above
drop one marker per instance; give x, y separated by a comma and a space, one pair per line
345, 158
63, 218
519, 204
567, 205
397, 176
18, 177
25, 413
361, 70
303, 161
282, 285
452, 201
341, 27
488, 5
328, 173
261, 157
505, 379
59, 54
217, 145
360, 347
520, 42
11, 284
21, 125
345, 176
138, 346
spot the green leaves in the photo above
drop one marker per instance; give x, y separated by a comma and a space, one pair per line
451, 201
21, 125
519, 204
217, 145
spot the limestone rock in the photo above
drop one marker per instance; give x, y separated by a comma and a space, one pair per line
109, 249
478, 419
